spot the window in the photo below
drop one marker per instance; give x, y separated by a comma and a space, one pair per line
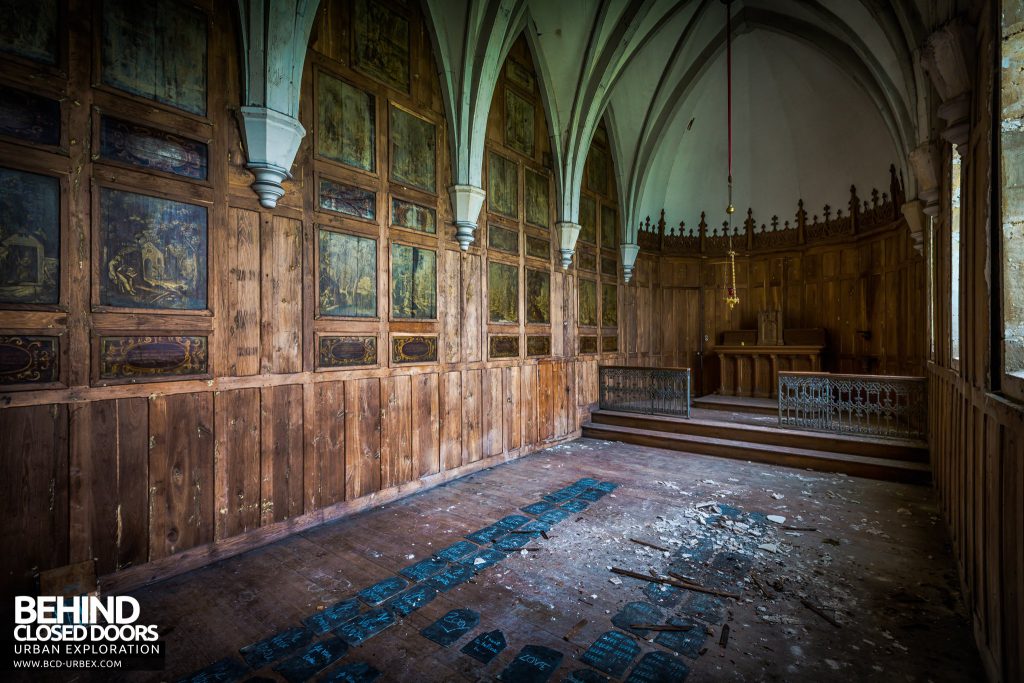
954, 255
1011, 146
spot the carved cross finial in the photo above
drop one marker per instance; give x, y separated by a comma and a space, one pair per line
828, 213
874, 198
775, 223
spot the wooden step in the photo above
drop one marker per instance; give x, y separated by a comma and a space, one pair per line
854, 465
739, 431
738, 404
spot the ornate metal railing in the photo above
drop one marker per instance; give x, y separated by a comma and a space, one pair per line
873, 405
651, 391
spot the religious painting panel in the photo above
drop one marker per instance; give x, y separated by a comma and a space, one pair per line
157, 50
413, 144
518, 74
502, 239
29, 238
502, 292
30, 29
346, 352
347, 275
538, 345
153, 252
29, 117
346, 123
405, 214
380, 45
413, 349
152, 149
538, 211
519, 123
538, 296
587, 302
597, 171
609, 305
588, 219
586, 259
142, 358
28, 359
503, 346
588, 344
349, 200
609, 227
537, 247
609, 266
413, 282
502, 186
609, 344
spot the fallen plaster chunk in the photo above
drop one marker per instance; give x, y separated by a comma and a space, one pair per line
778, 519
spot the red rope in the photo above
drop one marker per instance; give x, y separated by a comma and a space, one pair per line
728, 69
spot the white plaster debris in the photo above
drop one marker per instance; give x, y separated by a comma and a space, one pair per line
778, 519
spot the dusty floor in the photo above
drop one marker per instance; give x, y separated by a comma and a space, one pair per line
876, 563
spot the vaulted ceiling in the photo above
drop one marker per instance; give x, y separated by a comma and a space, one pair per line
827, 93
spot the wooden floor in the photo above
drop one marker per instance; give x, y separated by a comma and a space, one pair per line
877, 563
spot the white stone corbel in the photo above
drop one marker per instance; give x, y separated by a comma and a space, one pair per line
467, 201
271, 142
629, 253
926, 162
567, 234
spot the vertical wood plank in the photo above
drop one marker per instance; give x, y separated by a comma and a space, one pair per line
450, 306
512, 383
472, 404
282, 453
425, 424
396, 457
451, 420
472, 308
493, 411
545, 401
362, 437
281, 310
529, 405
239, 291
236, 461
325, 472
180, 473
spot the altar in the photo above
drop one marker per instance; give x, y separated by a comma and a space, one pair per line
750, 360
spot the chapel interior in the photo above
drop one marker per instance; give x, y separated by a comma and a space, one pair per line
519, 340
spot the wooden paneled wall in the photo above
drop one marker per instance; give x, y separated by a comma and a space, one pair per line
153, 478
866, 291
976, 431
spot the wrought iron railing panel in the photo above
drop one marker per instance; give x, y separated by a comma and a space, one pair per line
870, 405
650, 391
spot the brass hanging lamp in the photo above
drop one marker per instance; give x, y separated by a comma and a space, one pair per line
731, 297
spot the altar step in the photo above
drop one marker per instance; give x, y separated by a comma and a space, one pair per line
738, 404
856, 456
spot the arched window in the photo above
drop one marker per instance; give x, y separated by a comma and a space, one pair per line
954, 255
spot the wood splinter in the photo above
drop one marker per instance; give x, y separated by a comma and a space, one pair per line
650, 545
575, 629
661, 627
820, 612
674, 582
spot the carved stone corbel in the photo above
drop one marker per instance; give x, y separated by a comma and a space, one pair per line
567, 234
948, 57
467, 201
926, 162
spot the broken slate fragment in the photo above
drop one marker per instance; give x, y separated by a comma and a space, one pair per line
536, 527
511, 522
423, 569
512, 542
485, 646
484, 559
456, 551
451, 626
658, 667
554, 516
313, 659
411, 600
687, 643
660, 594
333, 617
226, 670
268, 650
537, 508
576, 506
612, 653
533, 664
382, 590
487, 534
707, 608
638, 613
362, 627
455, 575
356, 672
